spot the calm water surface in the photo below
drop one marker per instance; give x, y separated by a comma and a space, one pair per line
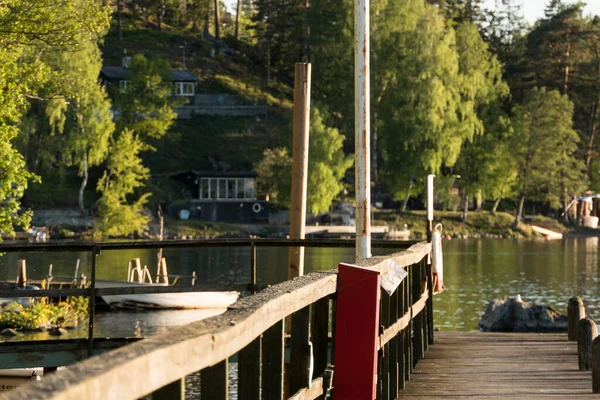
475, 272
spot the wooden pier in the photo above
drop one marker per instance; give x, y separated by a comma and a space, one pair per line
345, 338
478, 365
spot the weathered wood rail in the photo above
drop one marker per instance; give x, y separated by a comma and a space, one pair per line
254, 328
96, 247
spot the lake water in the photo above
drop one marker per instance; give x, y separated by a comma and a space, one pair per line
475, 272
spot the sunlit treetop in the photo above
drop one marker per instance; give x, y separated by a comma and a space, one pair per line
60, 23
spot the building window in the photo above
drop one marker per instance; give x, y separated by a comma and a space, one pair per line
184, 88
231, 191
123, 86
227, 189
249, 192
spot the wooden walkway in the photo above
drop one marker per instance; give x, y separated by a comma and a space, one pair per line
499, 366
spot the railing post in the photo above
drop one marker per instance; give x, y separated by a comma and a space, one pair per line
402, 337
586, 333
249, 370
213, 382
92, 302
272, 362
393, 352
356, 336
384, 352
319, 333
575, 312
173, 391
252, 266
300, 351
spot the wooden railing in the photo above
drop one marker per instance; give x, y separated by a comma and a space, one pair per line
254, 328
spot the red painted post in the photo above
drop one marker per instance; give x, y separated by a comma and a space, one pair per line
356, 333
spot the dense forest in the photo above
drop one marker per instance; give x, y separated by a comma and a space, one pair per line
503, 111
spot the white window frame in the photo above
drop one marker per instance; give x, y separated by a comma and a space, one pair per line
180, 86
216, 183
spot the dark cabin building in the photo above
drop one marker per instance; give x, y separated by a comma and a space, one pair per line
222, 196
184, 80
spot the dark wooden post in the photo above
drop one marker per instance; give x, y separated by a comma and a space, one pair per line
384, 353
249, 371
319, 332
272, 362
586, 333
253, 267
173, 391
402, 337
596, 365
300, 351
213, 382
21, 273
575, 312
393, 353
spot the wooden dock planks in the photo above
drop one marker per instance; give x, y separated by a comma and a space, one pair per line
477, 365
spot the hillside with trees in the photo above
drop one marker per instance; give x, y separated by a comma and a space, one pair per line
506, 113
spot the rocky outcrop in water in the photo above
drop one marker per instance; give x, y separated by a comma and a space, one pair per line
516, 315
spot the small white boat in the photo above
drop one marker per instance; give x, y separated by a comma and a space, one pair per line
208, 300
12, 378
547, 233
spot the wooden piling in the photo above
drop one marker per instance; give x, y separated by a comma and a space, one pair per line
21, 273
299, 166
163, 276
596, 365
575, 312
137, 269
586, 333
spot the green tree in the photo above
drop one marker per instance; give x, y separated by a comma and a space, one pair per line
274, 175
147, 106
420, 94
327, 165
82, 113
481, 89
118, 213
28, 30
544, 148
144, 111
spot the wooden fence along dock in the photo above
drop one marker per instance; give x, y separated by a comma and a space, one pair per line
347, 339
254, 330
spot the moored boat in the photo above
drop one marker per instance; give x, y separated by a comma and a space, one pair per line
212, 300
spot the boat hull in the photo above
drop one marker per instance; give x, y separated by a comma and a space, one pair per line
190, 300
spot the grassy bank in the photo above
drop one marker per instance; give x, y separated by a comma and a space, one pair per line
478, 224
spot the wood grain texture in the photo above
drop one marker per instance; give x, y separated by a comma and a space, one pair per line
477, 365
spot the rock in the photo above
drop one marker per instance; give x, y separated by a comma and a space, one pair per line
57, 331
516, 315
9, 332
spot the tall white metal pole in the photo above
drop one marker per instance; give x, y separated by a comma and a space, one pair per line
362, 112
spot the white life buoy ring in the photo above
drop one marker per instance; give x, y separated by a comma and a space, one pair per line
256, 208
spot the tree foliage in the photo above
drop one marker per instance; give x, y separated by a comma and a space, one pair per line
544, 147
28, 30
327, 165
